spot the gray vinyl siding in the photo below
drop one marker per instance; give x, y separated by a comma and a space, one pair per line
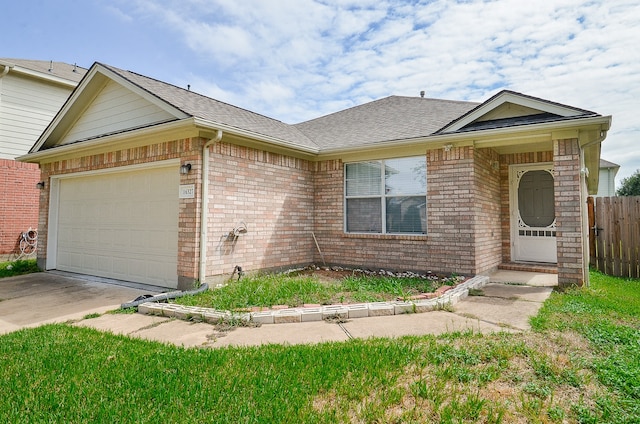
26, 108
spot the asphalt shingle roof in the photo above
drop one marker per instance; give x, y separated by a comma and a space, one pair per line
387, 119
59, 69
215, 111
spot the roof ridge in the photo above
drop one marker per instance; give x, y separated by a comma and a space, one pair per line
392, 96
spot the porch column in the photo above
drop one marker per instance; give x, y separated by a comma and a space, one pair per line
566, 165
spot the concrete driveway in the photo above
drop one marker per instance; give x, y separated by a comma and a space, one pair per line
45, 297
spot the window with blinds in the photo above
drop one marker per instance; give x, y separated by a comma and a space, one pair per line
386, 196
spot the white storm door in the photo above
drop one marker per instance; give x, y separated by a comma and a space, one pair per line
533, 220
121, 225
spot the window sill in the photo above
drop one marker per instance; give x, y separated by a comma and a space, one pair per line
385, 236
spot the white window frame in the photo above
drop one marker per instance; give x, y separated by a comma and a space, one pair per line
382, 197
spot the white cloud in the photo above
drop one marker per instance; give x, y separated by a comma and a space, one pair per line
299, 59
119, 14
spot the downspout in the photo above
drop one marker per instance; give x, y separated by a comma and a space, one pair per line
5, 71
584, 193
205, 205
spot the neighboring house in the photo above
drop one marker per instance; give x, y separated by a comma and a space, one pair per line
31, 93
607, 184
151, 183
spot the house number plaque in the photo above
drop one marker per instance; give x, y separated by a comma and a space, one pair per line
187, 191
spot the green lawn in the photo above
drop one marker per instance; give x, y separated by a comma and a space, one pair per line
581, 363
296, 289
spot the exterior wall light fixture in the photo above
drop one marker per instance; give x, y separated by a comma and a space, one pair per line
185, 169
41, 185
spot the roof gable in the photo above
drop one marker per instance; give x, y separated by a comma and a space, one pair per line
119, 101
508, 108
115, 109
104, 103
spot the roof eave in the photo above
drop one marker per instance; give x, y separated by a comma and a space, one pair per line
188, 127
505, 96
481, 138
38, 75
251, 135
177, 129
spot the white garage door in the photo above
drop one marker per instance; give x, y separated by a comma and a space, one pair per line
120, 225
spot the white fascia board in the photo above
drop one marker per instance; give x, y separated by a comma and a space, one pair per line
184, 125
508, 97
141, 92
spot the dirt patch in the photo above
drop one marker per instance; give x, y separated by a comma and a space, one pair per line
355, 285
333, 274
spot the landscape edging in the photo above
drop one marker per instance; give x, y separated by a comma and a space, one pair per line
316, 313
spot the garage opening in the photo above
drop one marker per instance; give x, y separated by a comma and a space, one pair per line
121, 225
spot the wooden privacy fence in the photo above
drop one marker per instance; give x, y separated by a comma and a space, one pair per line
614, 235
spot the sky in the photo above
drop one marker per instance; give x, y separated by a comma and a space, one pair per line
295, 60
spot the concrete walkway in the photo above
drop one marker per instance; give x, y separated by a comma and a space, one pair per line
498, 307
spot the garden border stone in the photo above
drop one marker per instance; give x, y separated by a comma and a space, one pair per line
317, 313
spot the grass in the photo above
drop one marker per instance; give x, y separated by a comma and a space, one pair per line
10, 269
297, 289
580, 364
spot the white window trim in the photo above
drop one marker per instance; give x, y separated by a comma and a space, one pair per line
382, 197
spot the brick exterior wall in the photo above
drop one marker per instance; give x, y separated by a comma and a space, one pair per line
372, 251
451, 209
488, 210
463, 218
19, 205
283, 200
273, 195
568, 204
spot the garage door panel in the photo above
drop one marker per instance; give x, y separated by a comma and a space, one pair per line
105, 264
121, 225
121, 238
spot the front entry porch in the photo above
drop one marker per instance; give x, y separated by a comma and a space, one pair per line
529, 277
539, 267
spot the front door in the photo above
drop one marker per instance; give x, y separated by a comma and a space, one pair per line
533, 219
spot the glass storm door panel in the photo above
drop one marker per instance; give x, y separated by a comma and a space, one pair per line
533, 214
